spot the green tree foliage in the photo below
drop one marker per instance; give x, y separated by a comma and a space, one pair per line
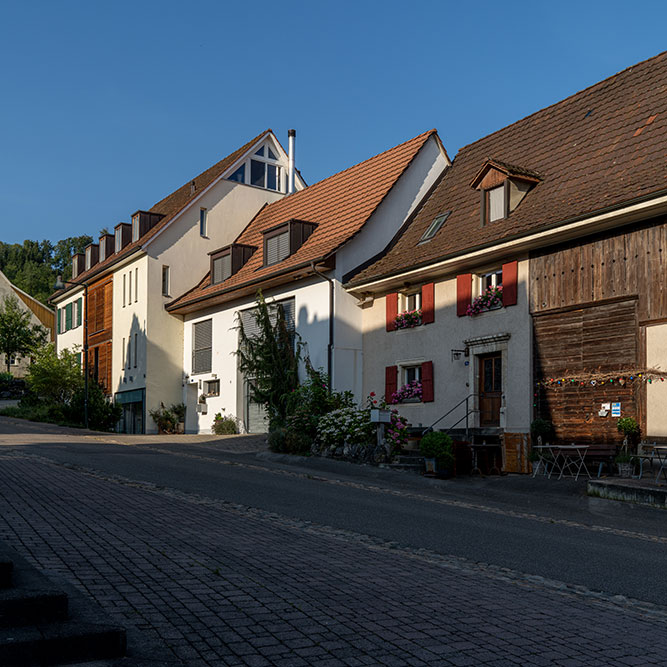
34, 265
17, 334
270, 360
53, 378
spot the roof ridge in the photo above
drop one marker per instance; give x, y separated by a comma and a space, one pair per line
563, 101
292, 196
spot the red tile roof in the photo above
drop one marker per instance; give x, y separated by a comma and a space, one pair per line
171, 205
600, 148
339, 205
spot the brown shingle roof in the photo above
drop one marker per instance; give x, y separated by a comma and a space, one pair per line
173, 204
339, 205
597, 149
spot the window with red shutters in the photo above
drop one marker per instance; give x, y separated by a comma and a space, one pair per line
463, 293
427, 382
390, 382
428, 303
392, 310
510, 275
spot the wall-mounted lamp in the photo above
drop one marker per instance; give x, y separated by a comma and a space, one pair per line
456, 354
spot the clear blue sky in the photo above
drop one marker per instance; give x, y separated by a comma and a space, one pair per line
105, 107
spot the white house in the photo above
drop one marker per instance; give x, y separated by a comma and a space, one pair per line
299, 251
135, 345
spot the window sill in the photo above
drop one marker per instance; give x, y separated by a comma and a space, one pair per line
408, 401
419, 327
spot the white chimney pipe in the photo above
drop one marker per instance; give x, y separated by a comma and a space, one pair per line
291, 134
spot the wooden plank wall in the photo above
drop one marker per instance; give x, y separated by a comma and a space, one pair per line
99, 314
574, 341
628, 262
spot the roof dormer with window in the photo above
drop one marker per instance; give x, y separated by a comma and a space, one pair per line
226, 261
284, 240
92, 255
122, 235
502, 187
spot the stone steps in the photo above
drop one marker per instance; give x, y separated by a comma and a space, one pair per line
43, 623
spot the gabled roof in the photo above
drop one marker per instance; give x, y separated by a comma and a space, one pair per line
174, 203
339, 205
510, 170
596, 150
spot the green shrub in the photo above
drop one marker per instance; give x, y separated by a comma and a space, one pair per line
629, 427
103, 415
348, 425
438, 445
277, 439
224, 424
165, 420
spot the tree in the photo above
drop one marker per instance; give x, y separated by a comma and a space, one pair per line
53, 378
270, 360
17, 334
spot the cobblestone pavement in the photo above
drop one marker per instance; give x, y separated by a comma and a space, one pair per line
224, 584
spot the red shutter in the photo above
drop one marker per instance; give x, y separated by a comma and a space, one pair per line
427, 382
463, 293
390, 382
510, 271
392, 310
428, 303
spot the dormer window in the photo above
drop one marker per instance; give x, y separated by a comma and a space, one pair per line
118, 240
226, 261
262, 169
88, 257
502, 187
135, 227
283, 241
91, 255
495, 200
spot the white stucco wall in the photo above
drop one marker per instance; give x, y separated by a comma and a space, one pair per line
73, 337
454, 380
128, 320
312, 325
656, 392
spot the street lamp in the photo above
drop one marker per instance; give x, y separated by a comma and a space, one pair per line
60, 284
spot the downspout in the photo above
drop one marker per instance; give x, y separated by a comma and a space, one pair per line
331, 322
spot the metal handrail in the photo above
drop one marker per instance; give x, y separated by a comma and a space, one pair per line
468, 411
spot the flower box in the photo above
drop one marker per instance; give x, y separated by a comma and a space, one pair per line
408, 319
408, 393
490, 300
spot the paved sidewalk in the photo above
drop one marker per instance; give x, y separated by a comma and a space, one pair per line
224, 584
26, 432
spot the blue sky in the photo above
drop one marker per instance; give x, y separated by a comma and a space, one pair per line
106, 107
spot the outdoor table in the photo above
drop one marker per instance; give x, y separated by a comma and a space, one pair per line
546, 456
475, 451
569, 459
661, 454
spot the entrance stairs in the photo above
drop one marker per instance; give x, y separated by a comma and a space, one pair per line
42, 623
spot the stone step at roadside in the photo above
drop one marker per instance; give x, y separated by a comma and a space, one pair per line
59, 643
48, 622
23, 606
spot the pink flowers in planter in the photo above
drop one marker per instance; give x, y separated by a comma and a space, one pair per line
492, 298
409, 319
410, 391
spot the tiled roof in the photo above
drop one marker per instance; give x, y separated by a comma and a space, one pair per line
171, 205
597, 149
338, 205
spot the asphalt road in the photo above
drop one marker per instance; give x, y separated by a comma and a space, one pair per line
536, 527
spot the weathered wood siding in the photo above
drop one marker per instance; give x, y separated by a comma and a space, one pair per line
628, 262
591, 301
584, 339
99, 316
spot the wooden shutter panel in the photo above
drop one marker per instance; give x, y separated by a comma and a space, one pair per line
427, 382
390, 382
60, 314
463, 293
428, 303
79, 311
392, 310
68, 317
510, 275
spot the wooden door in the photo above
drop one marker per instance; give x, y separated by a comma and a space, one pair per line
490, 388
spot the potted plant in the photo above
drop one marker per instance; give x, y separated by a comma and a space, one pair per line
624, 462
541, 428
629, 427
437, 449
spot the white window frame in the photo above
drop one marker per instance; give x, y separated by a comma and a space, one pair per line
135, 228
500, 190
166, 284
136, 284
405, 301
281, 175
203, 222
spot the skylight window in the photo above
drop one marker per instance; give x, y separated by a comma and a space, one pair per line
434, 227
